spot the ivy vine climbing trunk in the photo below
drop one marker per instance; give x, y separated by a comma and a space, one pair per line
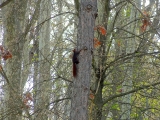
81, 83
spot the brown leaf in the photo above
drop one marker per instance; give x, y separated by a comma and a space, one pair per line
6, 55
145, 21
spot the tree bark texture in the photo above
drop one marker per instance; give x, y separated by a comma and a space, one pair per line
81, 84
13, 26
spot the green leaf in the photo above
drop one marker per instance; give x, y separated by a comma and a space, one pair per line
115, 107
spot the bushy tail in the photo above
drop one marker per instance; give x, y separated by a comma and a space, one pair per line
74, 70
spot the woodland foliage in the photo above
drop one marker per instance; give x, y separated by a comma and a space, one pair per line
37, 40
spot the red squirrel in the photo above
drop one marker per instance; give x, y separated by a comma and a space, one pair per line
75, 61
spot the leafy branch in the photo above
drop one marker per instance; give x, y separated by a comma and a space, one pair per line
129, 92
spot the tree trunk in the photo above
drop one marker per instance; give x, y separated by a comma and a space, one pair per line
128, 70
14, 24
44, 82
100, 62
81, 83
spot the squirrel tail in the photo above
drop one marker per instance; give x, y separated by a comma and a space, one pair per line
74, 70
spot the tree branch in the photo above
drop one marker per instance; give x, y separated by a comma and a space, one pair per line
129, 92
5, 3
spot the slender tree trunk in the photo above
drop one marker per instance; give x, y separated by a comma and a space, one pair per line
81, 83
127, 84
44, 81
100, 62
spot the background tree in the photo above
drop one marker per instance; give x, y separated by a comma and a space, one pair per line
37, 39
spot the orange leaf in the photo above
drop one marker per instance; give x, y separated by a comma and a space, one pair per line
102, 30
145, 21
96, 42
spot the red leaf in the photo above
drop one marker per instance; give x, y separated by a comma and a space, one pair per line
96, 42
145, 21
102, 30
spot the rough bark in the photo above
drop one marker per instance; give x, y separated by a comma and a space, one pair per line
13, 24
81, 84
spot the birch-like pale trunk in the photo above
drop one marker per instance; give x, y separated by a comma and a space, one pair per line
127, 84
44, 81
81, 84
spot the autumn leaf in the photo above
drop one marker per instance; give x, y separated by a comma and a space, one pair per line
6, 55
96, 42
102, 30
145, 21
